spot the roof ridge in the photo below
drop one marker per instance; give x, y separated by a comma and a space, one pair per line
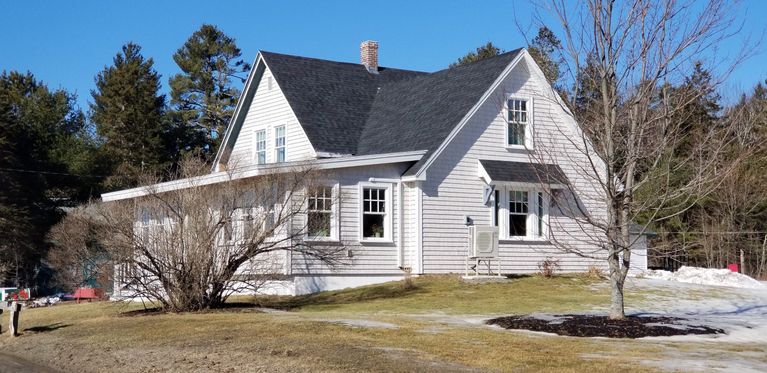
338, 62
486, 59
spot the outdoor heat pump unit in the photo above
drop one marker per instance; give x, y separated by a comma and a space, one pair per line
483, 241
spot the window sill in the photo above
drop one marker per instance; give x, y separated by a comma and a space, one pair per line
518, 147
524, 241
322, 240
376, 241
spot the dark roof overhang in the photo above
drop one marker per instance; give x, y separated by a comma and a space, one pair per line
549, 175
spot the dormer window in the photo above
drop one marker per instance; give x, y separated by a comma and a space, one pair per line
518, 120
279, 144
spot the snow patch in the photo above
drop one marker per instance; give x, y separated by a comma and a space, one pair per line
705, 276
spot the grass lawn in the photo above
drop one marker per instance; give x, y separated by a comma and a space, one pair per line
434, 327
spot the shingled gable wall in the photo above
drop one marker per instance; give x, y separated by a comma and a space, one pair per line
269, 109
453, 189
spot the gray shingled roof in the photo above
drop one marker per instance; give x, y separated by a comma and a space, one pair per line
523, 172
344, 109
331, 99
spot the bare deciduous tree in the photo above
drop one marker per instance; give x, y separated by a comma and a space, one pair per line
625, 58
76, 254
191, 247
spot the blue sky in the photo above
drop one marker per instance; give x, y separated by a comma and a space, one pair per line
66, 43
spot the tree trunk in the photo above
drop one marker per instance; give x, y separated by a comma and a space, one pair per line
616, 285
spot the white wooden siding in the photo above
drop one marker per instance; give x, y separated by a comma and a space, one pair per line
268, 110
367, 258
452, 188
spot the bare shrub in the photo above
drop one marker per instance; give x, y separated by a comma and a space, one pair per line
409, 282
595, 273
191, 243
548, 267
76, 254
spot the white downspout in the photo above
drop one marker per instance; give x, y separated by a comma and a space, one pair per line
400, 217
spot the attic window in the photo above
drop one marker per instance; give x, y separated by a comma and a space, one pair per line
519, 120
261, 147
279, 144
269, 83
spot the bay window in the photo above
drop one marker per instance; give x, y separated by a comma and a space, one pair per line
520, 213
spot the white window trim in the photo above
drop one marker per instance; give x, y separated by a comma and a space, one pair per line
335, 226
285, 143
143, 226
266, 145
532, 215
221, 240
529, 143
388, 226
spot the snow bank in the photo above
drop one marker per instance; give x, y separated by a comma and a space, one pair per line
705, 276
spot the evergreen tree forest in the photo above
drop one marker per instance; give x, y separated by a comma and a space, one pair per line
55, 155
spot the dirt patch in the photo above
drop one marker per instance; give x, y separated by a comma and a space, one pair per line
357, 323
602, 326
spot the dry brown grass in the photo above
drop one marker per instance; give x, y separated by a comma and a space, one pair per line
95, 337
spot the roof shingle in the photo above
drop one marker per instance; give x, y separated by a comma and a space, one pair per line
344, 109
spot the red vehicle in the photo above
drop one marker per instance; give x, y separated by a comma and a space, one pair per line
88, 293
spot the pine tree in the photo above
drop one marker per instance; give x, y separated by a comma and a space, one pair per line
128, 112
39, 131
204, 95
485, 51
543, 49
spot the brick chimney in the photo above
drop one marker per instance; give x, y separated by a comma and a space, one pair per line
369, 55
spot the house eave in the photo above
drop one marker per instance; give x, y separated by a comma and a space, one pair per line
257, 170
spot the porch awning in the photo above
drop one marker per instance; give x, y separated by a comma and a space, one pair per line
522, 173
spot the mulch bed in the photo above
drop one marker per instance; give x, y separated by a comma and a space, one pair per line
602, 326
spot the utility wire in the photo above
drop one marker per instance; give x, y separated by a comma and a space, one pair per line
3, 169
714, 232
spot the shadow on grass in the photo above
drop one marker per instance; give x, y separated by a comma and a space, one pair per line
143, 312
377, 292
46, 328
231, 307
516, 276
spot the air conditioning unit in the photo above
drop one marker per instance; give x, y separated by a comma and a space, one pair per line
483, 241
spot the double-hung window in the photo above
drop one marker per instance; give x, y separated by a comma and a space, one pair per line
518, 122
228, 231
261, 147
320, 213
143, 229
279, 144
518, 210
376, 213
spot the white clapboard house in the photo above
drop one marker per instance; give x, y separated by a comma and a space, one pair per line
487, 144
